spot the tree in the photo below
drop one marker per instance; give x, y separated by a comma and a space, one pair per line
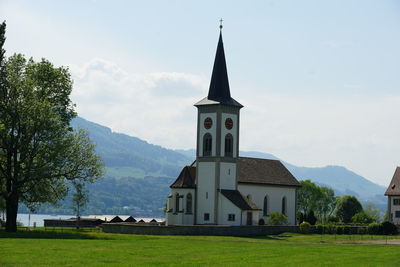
320, 199
373, 212
277, 218
79, 199
307, 196
362, 218
325, 203
39, 151
347, 207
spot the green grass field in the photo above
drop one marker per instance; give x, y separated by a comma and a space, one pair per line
70, 248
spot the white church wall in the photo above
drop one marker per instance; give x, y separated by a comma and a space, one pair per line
205, 192
182, 216
212, 131
394, 208
226, 208
233, 132
227, 176
275, 195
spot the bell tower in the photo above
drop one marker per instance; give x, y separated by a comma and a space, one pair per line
217, 141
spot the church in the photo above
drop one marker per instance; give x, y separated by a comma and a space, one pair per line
219, 187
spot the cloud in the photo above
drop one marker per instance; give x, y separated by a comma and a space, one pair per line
156, 107
359, 132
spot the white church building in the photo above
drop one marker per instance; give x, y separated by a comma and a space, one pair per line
221, 188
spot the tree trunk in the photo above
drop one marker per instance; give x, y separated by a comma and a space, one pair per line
11, 212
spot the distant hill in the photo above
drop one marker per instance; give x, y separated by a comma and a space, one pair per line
138, 175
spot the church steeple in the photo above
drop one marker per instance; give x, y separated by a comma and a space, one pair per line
219, 91
219, 86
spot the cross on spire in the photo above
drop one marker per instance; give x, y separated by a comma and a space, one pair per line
220, 23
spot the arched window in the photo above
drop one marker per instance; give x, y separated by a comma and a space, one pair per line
207, 144
228, 145
189, 203
248, 197
265, 209
177, 203
284, 205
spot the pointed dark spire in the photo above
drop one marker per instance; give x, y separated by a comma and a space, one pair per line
219, 92
219, 86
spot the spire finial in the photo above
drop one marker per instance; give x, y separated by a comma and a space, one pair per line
220, 24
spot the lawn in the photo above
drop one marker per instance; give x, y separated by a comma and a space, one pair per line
70, 248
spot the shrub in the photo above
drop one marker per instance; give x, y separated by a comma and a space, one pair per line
305, 228
374, 228
362, 218
346, 230
20, 224
300, 217
261, 222
333, 219
339, 230
330, 228
389, 228
320, 229
310, 217
277, 218
361, 230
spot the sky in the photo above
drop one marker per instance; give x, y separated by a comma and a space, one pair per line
319, 80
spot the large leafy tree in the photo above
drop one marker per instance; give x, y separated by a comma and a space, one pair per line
325, 203
347, 207
318, 199
39, 151
307, 196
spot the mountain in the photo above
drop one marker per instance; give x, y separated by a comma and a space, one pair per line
138, 175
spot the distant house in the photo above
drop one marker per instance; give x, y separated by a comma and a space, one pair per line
393, 194
221, 188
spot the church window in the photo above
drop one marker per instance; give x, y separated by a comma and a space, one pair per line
265, 209
396, 201
284, 205
228, 145
207, 144
206, 216
177, 203
189, 203
397, 214
206, 195
231, 217
248, 197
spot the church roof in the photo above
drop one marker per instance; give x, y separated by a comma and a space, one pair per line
250, 171
239, 200
219, 92
264, 171
394, 186
186, 178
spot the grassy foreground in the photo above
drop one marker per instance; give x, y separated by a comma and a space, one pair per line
69, 248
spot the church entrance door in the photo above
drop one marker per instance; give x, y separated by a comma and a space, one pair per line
249, 218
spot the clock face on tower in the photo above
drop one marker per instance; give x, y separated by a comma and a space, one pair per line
228, 123
208, 123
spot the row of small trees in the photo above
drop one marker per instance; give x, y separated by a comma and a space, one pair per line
319, 203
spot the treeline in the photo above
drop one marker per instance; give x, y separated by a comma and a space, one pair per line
319, 204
